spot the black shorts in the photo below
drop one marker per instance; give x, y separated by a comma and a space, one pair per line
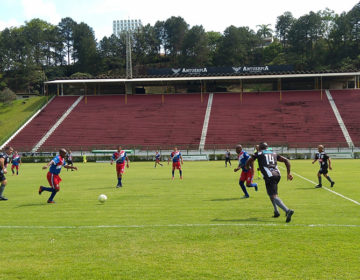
323, 170
69, 162
271, 184
2, 176
227, 159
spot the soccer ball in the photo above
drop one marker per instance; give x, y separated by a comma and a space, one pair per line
102, 198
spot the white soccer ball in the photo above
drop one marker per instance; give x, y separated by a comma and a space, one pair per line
102, 198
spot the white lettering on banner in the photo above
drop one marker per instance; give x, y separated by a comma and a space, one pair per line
256, 68
194, 70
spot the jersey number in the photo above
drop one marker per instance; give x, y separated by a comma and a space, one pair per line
269, 159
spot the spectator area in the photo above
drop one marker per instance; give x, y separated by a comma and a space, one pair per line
39, 126
106, 121
300, 119
348, 104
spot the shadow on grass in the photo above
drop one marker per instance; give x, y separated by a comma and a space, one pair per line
32, 204
226, 199
237, 220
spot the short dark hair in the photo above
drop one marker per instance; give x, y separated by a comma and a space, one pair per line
263, 146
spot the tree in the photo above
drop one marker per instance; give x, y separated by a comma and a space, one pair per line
66, 30
283, 26
195, 47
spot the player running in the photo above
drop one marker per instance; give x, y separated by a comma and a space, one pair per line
120, 157
53, 177
323, 159
247, 174
4, 160
177, 160
157, 159
15, 163
69, 159
227, 157
268, 166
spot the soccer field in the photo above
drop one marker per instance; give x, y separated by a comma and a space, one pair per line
197, 228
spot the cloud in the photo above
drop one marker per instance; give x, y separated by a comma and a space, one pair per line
43, 9
8, 24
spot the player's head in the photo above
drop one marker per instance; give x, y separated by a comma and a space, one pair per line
320, 148
257, 147
263, 146
238, 149
62, 152
175, 149
8, 150
119, 148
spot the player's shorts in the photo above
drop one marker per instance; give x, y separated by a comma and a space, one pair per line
15, 166
323, 170
247, 176
157, 160
271, 184
69, 162
227, 160
177, 165
120, 168
2, 176
54, 180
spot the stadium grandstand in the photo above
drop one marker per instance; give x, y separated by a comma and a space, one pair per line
198, 109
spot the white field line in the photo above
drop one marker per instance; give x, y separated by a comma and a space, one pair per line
325, 188
180, 226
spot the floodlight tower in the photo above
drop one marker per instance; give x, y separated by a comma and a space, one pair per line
128, 55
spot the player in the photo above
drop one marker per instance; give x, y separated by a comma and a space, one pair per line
268, 166
258, 168
323, 159
177, 160
120, 157
4, 160
53, 177
69, 159
247, 174
15, 163
227, 157
157, 158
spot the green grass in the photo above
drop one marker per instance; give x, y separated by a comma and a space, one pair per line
14, 114
197, 228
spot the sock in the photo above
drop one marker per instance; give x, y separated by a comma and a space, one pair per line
53, 193
252, 185
2, 188
243, 188
12, 170
47, 189
276, 210
180, 171
319, 180
119, 181
281, 204
329, 179
173, 173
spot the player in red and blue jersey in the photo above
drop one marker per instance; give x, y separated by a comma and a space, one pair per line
157, 158
120, 157
53, 177
246, 174
15, 162
177, 160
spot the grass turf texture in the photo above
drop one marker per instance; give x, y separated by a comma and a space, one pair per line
197, 228
14, 114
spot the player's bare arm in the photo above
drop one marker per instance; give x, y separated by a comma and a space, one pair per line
70, 167
48, 165
249, 162
314, 160
330, 164
127, 162
288, 166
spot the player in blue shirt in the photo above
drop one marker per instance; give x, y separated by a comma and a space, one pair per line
157, 158
15, 162
177, 160
120, 157
246, 174
53, 177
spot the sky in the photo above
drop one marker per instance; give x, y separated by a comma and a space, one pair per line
212, 15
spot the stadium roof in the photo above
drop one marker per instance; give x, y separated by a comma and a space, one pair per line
204, 77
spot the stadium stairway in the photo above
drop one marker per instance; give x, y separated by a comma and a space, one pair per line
299, 119
348, 104
31, 134
139, 120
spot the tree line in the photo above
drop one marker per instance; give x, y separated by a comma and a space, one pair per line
38, 50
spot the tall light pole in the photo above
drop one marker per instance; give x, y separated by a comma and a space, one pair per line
128, 55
